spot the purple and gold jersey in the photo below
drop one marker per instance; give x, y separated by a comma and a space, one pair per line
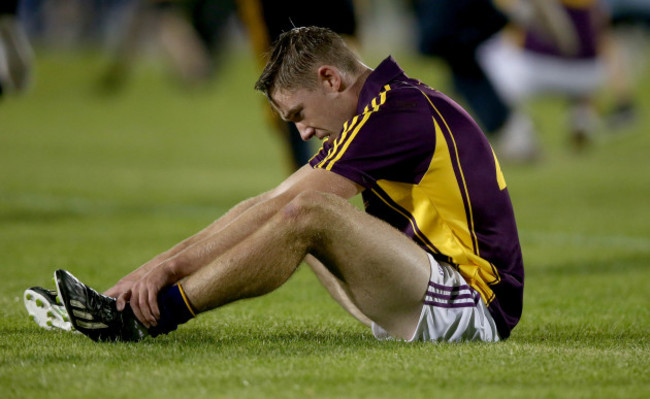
587, 18
429, 171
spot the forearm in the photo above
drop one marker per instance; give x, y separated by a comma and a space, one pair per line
215, 242
233, 227
228, 234
163, 257
142, 292
212, 229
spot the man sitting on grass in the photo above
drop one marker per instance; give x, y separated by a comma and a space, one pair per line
435, 257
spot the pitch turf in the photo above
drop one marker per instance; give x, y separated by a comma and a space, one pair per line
99, 184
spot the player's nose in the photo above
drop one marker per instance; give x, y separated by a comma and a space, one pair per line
306, 132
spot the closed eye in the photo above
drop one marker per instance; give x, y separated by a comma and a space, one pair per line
297, 117
294, 114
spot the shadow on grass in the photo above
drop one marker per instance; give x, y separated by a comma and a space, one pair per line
285, 339
288, 338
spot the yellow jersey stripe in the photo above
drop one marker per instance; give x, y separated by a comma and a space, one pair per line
462, 177
345, 141
338, 140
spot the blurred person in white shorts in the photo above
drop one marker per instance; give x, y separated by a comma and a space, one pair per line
525, 62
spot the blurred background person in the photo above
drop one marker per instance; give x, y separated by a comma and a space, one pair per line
530, 59
15, 50
624, 52
189, 34
455, 30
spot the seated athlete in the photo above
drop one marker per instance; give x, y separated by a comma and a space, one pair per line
434, 257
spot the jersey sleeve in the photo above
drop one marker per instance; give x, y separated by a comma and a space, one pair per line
391, 140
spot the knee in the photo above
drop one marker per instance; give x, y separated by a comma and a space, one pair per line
309, 207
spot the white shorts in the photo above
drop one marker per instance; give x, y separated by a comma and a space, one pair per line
518, 74
452, 311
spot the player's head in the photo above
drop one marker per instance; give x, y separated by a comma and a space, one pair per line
313, 79
297, 55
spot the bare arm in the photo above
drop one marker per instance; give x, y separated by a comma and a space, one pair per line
125, 283
214, 241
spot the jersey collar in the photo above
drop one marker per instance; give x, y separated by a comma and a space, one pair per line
387, 71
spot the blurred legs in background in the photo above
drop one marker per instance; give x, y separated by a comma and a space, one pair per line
188, 33
624, 51
15, 51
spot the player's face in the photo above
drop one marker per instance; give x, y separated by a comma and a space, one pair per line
318, 112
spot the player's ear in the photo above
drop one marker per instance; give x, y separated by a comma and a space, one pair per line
330, 78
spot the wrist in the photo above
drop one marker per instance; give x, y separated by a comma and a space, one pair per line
170, 270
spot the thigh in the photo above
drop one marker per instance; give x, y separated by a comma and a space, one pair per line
384, 272
453, 311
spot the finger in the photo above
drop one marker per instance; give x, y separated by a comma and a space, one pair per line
153, 304
122, 300
143, 302
135, 306
116, 290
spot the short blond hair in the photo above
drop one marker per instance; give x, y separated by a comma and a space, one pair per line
298, 53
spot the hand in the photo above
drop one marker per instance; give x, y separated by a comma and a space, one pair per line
143, 296
123, 286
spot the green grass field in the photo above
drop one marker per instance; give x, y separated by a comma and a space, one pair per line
99, 184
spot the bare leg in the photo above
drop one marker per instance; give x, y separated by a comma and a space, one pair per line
383, 273
336, 288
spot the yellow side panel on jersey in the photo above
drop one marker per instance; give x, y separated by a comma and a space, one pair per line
435, 209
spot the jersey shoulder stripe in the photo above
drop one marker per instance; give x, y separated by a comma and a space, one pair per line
347, 126
350, 131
